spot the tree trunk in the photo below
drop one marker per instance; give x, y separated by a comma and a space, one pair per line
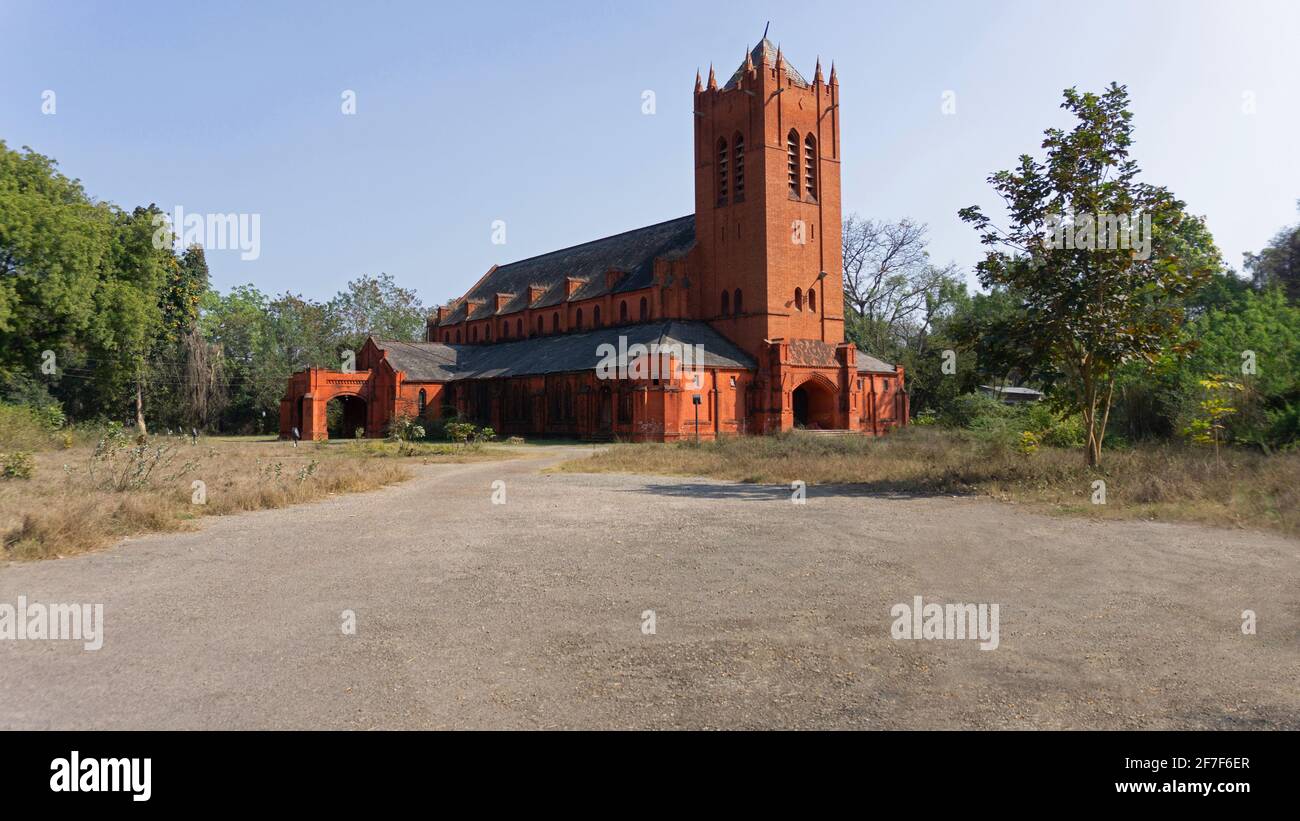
139, 409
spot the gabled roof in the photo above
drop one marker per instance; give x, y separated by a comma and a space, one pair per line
632, 253
869, 364
765, 52
563, 353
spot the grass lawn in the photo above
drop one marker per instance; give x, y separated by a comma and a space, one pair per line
1168, 481
75, 502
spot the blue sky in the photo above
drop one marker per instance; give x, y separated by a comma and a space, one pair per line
531, 113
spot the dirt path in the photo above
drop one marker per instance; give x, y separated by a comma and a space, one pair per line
767, 614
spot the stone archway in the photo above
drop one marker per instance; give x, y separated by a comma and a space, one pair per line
813, 404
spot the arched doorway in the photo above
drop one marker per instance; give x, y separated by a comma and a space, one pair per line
343, 415
813, 403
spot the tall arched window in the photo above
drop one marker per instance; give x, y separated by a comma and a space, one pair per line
739, 148
446, 336
577, 320
738, 303
541, 325
555, 322
487, 332
726, 303
519, 327
645, 310
792, 161
595, 317
812, 300
810, 165
505, 329
458, 336
722, 172
474, 334
798, 299
622, 311
424, 401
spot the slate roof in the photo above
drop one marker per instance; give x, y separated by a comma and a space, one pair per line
869, 364
765, 52
632, 253
440, 362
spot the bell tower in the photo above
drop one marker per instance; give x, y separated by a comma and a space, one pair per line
767, 201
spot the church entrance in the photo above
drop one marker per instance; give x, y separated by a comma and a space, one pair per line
814, 406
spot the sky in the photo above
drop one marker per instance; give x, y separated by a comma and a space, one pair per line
531, 114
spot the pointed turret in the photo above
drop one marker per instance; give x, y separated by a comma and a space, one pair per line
817, 73
833, 80
699, 85
713, 79
749, 60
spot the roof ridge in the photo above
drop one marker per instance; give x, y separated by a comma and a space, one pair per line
594, 241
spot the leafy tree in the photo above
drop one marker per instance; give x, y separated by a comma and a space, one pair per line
1279, 263
1088, 311
377, 306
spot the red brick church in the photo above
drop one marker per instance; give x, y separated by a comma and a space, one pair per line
727, 321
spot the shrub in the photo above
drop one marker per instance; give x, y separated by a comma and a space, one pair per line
17, 464
23, 427
405, 429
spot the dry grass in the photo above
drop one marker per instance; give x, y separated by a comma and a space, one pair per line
1171, 482
62, 510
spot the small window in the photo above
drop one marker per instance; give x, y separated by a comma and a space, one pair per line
519, 327
738, 304
733, 381
645, 309
595, 317
555, 322
487, 333
577, 320
622, 311
726, 303
474, 333
798, 299
541, 326
812, 300
424, 401
458, 336
505, 329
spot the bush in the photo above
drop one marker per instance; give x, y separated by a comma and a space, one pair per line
405, 429
17, 464
30, 428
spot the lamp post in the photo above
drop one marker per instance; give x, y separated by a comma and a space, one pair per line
695, 400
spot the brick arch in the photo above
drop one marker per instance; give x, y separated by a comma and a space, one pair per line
813, 402
823, 381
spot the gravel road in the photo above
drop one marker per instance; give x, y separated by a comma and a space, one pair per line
767, 614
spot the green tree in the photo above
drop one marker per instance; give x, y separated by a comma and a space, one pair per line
376, 306
1279, 263
1087, 311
